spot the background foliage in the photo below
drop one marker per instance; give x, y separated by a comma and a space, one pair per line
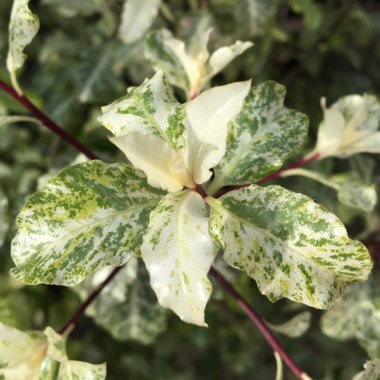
78, 63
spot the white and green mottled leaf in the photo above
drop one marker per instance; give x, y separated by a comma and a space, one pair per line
149, 109
295, 327
164, 167
91, 215
189, 66
290, 245
178, 252
371, 371
350, 126
162, 58
206, 121
137, 18
4, 217
340, 322
70, 369
261, 137
21, 353
127, 307
23, 26
351, 191
356, 315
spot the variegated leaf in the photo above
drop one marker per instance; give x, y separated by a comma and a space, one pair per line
4, 217
206, 121
178, 253
164, 167
290, 245
21, 353
371, 371
295, 327
355, 315
162, 58
351, 191
261, 137
69, 369
190, 67
23, 26
89, 216
136, 19
149, 109
127, 307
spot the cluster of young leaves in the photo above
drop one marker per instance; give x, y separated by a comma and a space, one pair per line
264, 136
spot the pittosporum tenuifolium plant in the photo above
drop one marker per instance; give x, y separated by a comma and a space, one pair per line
195, 184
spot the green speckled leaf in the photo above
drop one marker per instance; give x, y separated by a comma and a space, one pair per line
127, 307
4, 218
162, 58
371, 371
23, 26
290, 245
89, 216
178, 252
356, 315
149, 109
261, 137
295, 327
21, 353
67, 369
350, 190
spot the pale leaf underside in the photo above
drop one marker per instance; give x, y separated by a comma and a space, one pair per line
178, 253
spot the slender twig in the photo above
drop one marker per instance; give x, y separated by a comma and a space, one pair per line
277, 174
259, 322
91, 298
251, 313
45, 120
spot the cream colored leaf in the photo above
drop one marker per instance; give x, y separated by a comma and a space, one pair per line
330, 132
178, 252
23, 26
350, 126
21, 353
136, 19
224, 55
295, 327
207, 118
194, 63
70, 369
164, 166
371, 371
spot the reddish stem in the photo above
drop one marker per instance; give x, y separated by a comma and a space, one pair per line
259, 322
22, 99
82, 308
277, 174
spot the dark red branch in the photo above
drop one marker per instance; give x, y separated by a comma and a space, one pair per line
80, 311
275, 175
47, 121
259, 322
